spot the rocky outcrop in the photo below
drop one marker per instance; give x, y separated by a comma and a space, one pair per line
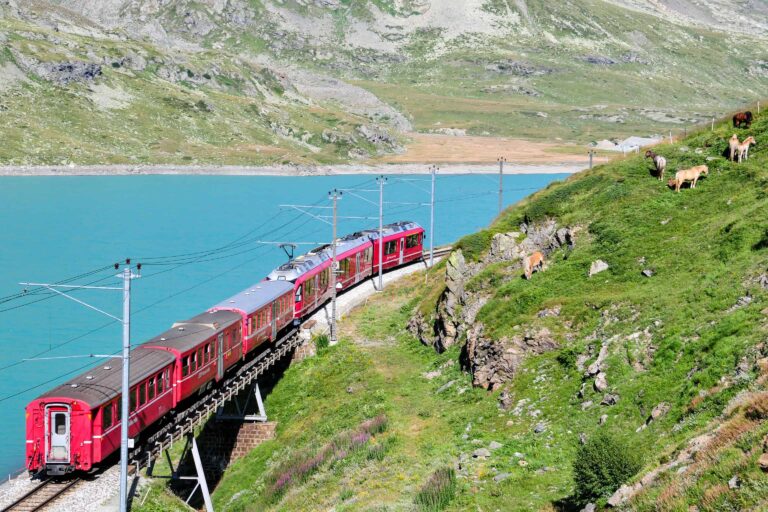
491, 362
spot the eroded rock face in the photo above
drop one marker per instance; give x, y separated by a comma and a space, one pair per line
493, 363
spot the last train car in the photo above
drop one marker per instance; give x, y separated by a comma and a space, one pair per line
77, 424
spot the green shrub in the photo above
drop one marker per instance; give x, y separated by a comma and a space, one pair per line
438, 491
322, 342
567, 358
601, 466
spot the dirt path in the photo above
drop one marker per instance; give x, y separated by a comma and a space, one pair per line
435, 148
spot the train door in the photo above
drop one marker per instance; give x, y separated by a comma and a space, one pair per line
58, 423
357, 268
220, 356
402, 251
275, 312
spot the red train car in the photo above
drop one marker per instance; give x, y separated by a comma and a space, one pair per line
403, 243
264, 309
77, 424
203, 347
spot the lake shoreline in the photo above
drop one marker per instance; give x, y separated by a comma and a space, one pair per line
285, 170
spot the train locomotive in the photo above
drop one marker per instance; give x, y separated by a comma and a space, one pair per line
76, 425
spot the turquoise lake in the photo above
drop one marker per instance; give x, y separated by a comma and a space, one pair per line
201, 232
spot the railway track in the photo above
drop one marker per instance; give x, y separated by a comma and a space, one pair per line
42, 495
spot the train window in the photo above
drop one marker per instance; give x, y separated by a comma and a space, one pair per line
344, 266
142, 394
151, 388
118, 410
199, 357
106, 417
412, 241
324, 279
368, 255
160, 383
390, 247
298, 293
208, 352
185, 366
132, 399
60, 423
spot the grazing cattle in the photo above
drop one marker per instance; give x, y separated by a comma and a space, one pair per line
693, 174
659, 161
733, 144
744, 148
533, 263
742, 119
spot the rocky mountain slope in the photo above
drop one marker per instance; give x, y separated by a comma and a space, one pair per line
264, 81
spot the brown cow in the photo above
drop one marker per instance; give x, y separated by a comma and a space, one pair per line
533, 263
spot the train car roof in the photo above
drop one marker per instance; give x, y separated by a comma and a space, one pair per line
255, 297
102, 383
189, 334
391, 229
300, 265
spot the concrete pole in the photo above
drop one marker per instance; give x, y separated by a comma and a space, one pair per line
125, 389
382, 181
591, 156
433, 171
501, 183
334, 195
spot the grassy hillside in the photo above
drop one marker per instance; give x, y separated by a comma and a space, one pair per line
691, 337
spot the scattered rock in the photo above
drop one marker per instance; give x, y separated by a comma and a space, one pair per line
586, 405
539, 428
481, 453
582, 438
648, 272
763, 462
511, 67
734, 482
553, 312
519, 455
597, 267
599, 60
350, 390
505, 400
623, 494
601, 382
501, 477
659, 411
591, 507
610, 399
603, 419
445, 386
665, 221
432, 375
494, 445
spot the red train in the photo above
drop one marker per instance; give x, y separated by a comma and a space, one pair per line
77, 424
